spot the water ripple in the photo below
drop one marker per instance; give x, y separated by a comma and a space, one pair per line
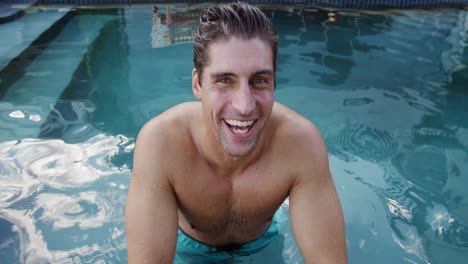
14, 185
425, 166
364, 141
446, 227
29, 165
87, 210
62, 165
67, 214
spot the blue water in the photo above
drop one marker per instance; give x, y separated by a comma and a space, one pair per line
388, 90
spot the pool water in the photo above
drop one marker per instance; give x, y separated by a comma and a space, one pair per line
388, 90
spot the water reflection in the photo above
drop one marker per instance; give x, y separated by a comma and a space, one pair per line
401, 123
454, 189
82, 209
54, 201
62, 165
387, 90
407, 120
330, 40
172, 27
160, 35
34, 245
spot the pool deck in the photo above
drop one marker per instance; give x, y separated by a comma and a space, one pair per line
346, 4
15, 15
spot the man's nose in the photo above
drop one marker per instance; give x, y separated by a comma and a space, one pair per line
244, 100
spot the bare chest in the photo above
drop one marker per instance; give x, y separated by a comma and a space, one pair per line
242, 204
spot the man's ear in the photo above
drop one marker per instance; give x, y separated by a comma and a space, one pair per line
196, 88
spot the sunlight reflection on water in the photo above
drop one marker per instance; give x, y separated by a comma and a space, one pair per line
387, 91
52, 174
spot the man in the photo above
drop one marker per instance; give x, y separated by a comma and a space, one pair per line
209, 176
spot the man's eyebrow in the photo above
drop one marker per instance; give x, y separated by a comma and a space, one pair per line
263, 72
217, 75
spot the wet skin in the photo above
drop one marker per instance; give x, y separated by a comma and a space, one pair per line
237, 96
220, 168
237, 84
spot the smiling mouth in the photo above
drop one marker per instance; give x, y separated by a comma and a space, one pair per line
239, 127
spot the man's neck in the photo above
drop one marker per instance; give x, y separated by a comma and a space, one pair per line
220, 161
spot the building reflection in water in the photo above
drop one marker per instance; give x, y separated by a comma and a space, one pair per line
394, 123
171, 27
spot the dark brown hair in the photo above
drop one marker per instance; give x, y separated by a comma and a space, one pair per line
237, 19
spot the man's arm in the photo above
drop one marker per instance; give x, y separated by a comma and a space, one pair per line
316, 214
151, 211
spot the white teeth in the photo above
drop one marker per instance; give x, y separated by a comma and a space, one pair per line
238, 123
240, 131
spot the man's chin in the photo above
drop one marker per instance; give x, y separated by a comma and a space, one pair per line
238, 152
237, 148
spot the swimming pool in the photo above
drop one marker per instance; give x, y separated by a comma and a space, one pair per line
388, 90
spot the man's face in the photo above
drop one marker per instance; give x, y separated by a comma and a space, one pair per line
237, 92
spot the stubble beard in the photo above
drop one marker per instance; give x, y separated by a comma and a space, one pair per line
241, 150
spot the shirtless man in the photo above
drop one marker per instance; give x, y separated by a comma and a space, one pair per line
209, 176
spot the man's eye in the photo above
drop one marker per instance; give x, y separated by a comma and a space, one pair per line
224, 80
260, 81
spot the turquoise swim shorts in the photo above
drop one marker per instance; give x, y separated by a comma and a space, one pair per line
189, 250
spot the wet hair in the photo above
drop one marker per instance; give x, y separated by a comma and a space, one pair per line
224, 21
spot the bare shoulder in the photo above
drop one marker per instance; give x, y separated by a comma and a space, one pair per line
300, 141
296, 130
162, 139
168, 128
